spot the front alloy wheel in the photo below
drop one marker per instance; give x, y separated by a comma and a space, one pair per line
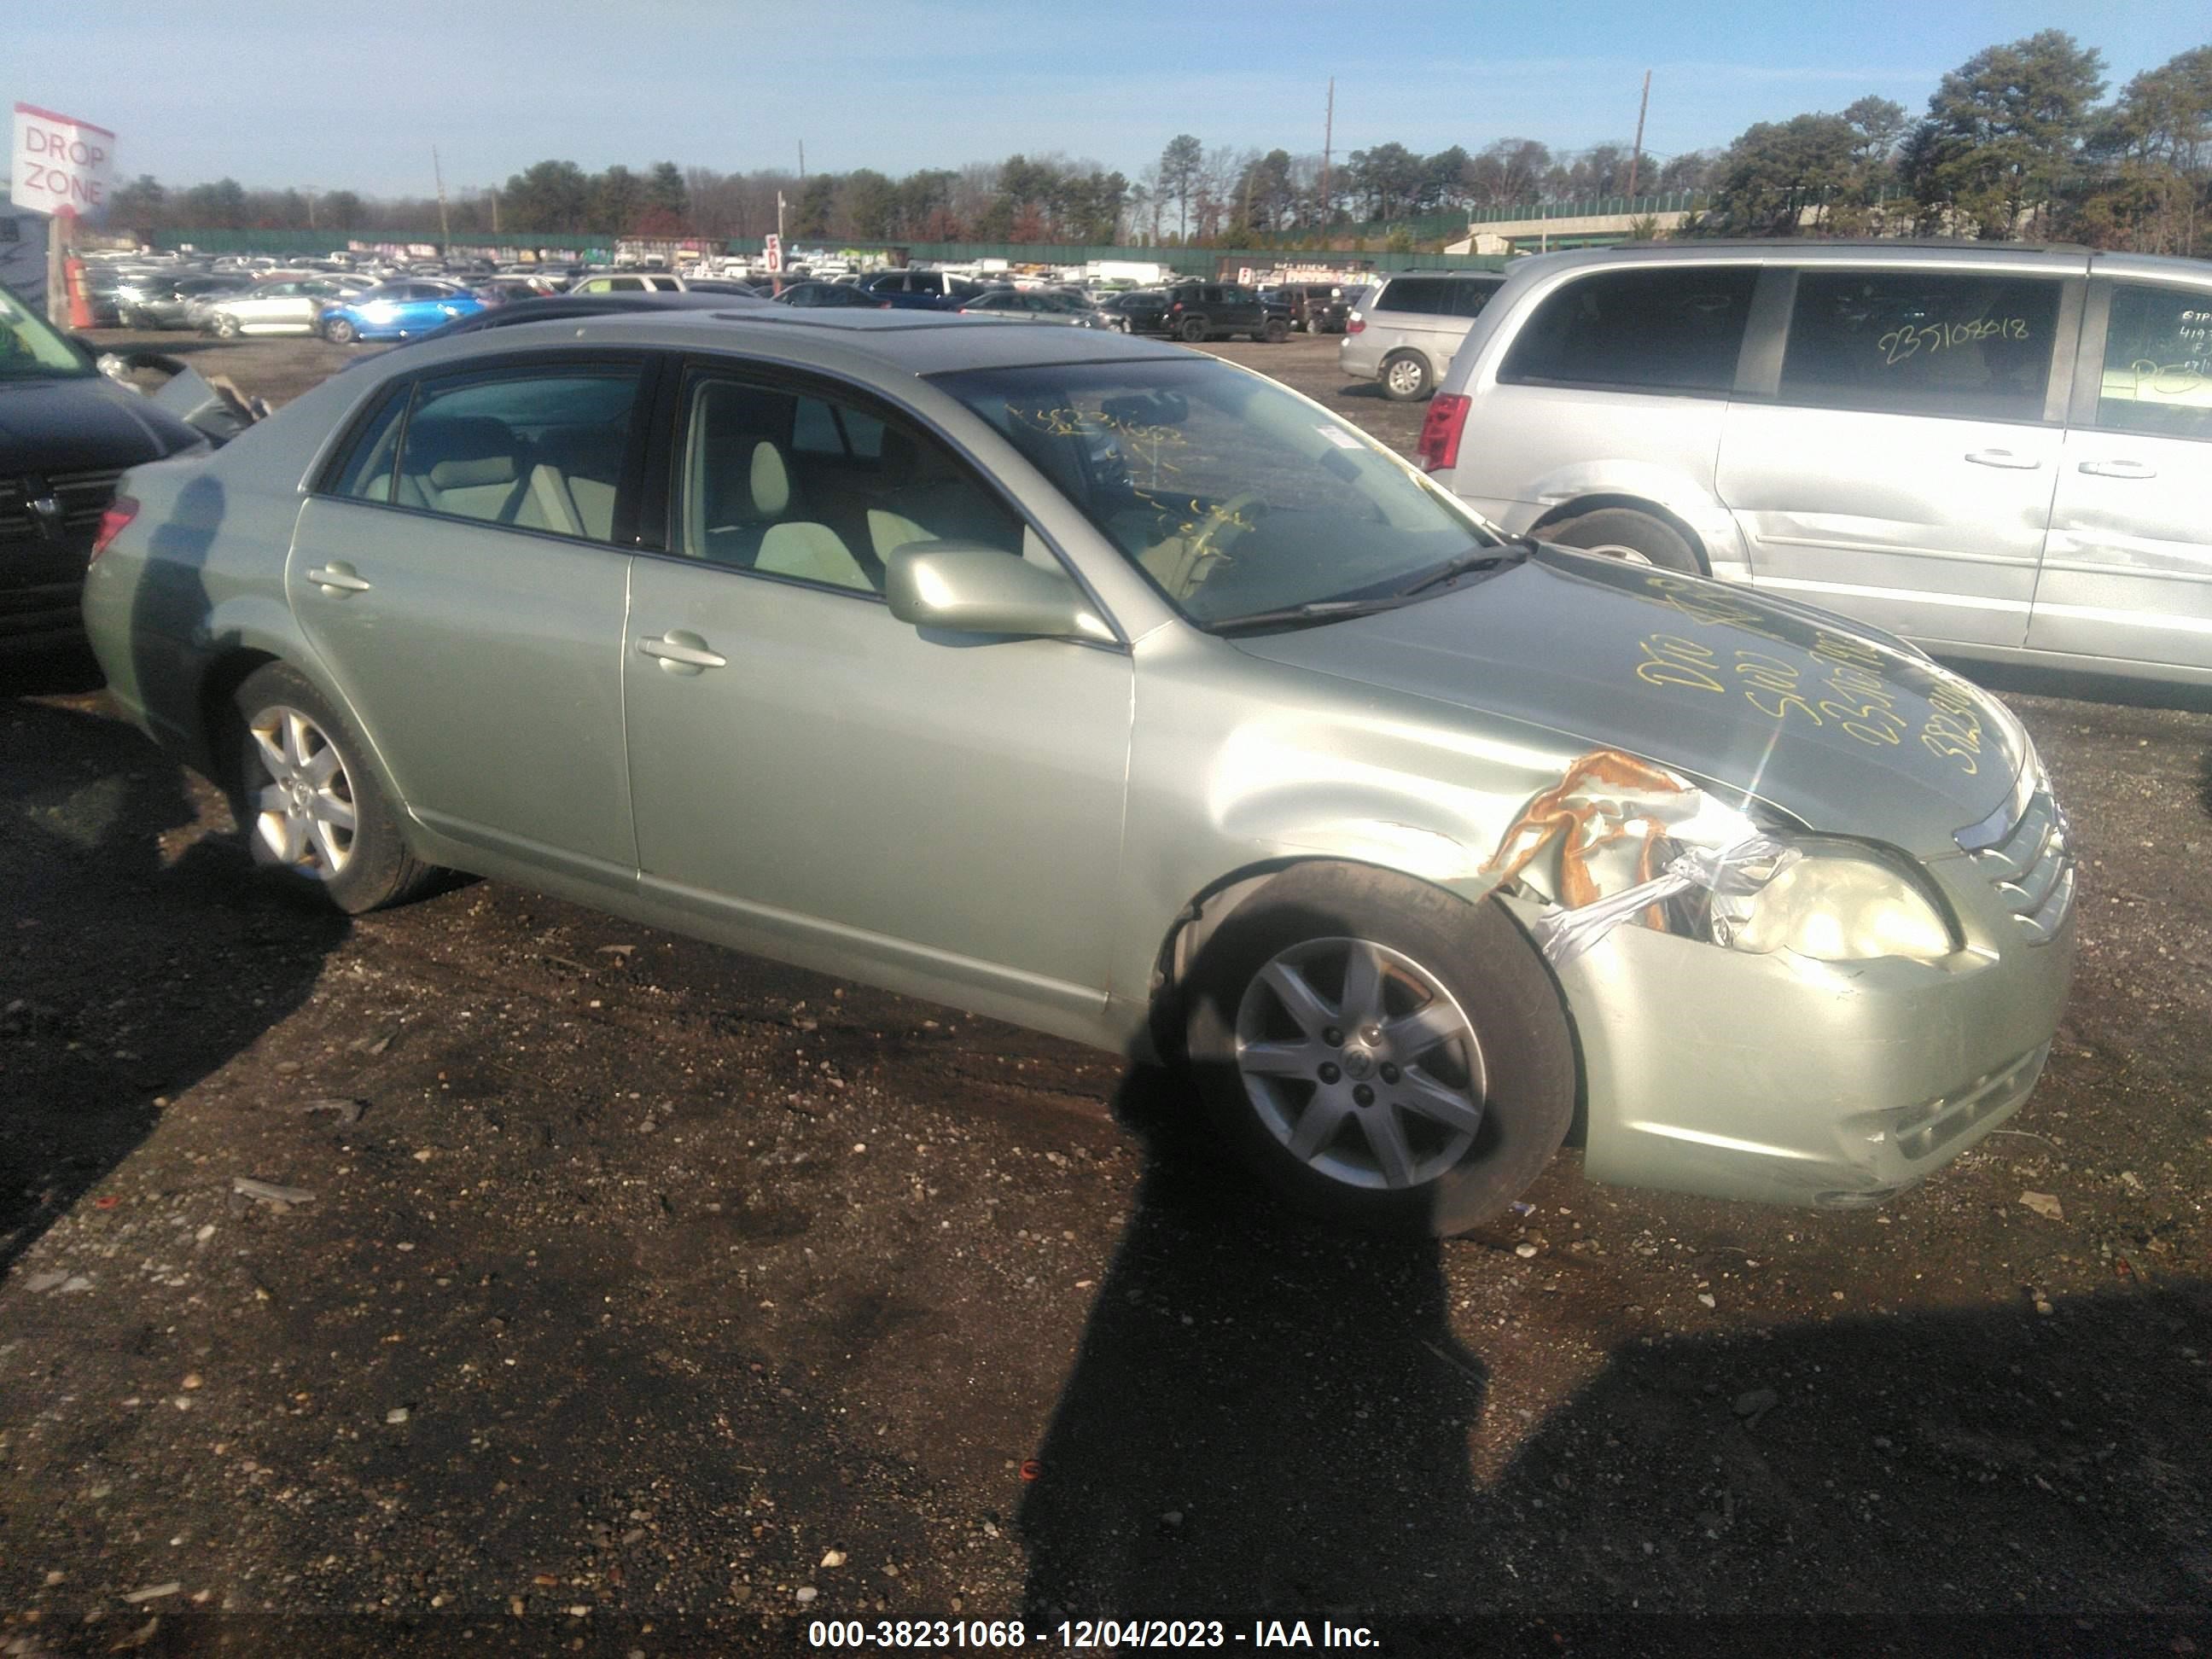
1358, 1060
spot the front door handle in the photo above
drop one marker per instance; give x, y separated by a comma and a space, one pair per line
2120, 469
678, 650
2003, 458
338, 579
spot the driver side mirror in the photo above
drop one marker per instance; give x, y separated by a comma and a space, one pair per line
967, 587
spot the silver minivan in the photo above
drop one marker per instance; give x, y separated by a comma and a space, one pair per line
2002, 453
1405, 332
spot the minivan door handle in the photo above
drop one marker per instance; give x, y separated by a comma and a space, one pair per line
2120, 469
337, 580
2003, 458
677, 651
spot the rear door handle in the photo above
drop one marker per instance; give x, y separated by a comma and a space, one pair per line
684, 650
2120, 469
2003, 458
338, 579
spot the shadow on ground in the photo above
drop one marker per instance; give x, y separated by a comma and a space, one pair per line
1264, 1421
102, 833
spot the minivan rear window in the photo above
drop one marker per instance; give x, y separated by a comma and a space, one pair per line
1671, 329
1961, 343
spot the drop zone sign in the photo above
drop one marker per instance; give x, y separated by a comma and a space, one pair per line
60, 165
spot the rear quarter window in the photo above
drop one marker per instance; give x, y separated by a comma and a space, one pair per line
1670, 329
1423, 296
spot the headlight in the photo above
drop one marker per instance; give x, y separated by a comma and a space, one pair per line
1835, 904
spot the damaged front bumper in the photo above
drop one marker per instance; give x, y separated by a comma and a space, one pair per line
1780, 1079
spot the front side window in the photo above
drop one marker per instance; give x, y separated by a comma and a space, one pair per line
1232, 494
31, 350
1935, 343
542, 449
1675, 328
2158, 362
820, 488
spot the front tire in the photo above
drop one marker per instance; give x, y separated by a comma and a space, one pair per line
338, 332
312, 813
225, 326
1625, 533
1380, 1052
1406, 378
1193, 331
1275, 333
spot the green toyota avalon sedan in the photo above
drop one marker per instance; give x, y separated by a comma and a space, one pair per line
1114, 691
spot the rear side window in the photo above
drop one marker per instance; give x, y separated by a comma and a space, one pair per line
2157, 363
1671, 329
540, 449
365, 474
1424, 296
1903, 341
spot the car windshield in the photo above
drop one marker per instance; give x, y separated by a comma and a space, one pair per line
1234, 494
30, 349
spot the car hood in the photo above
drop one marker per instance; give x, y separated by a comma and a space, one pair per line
1847, 732
83, 425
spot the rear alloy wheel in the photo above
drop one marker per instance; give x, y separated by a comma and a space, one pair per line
311, 811
1625, 533
1405, 376
338, 332
1379, 1051
1193, 331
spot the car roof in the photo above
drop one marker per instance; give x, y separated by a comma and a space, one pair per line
1931, 252
895, 342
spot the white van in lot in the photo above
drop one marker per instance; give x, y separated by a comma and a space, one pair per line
2002, 453
1404, 333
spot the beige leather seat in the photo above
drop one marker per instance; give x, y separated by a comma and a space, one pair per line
467, 465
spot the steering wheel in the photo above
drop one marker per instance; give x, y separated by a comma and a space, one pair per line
1207, 544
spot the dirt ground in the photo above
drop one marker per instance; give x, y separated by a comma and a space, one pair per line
646, 1298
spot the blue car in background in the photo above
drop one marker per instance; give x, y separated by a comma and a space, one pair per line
411, 305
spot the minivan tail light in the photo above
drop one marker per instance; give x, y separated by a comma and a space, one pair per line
119, 513
1354, 323
1440, 429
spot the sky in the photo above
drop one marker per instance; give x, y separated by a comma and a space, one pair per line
356, 98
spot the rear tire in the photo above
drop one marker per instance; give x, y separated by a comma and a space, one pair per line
1193, 331
310, 809
1405, 376
1625, 533
1452, 1032
225, 326
1275, 333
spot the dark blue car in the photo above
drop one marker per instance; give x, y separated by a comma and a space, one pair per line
411, 306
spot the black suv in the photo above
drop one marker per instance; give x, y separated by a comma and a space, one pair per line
1210, 311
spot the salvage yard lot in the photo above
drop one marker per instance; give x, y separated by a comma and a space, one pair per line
650, 1298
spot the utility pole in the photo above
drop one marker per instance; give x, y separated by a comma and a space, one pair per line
439, 173
802, 160
493, 192
1327, 139
1636, 156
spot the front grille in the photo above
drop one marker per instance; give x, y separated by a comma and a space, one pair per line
82, 496
2032, 868
1928, 1128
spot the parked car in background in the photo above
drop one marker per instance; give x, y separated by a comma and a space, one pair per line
163, 299
1142, 311
1405, 332
1007, 305
630, 282
1212, 311
501, 291
921, 290
398, 309
564, 307
276, 308
812, 293
1117, 690
66, 433
2001, 452
1320, 307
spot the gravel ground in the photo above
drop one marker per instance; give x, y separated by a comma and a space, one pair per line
638, 1297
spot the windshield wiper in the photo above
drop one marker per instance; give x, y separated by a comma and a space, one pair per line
1294, 616
1474, 560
